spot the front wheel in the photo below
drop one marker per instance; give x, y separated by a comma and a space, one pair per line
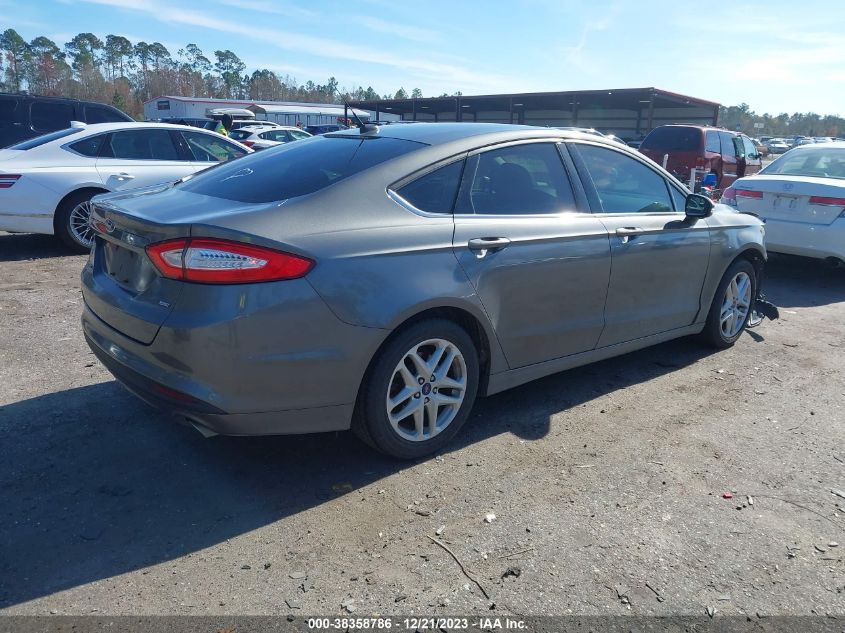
731, 307
420, 390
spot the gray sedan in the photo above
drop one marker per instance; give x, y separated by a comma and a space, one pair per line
382, 279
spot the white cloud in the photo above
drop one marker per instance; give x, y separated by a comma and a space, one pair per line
266, 6
393, 28
414, 65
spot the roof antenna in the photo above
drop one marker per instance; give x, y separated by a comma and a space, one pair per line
364, 127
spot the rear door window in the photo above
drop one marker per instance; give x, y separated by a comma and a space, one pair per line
434, 192
47, 116
524, 179
711, 142
296, 169
623, 184
141, 145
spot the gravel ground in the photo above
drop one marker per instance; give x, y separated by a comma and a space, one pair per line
607, 483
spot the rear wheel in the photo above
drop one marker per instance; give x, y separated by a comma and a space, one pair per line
731, 307
72, 221
420, 390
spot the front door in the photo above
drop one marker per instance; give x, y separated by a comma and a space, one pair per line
658, 257
539, 264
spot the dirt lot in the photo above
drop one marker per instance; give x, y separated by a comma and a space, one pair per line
607, 483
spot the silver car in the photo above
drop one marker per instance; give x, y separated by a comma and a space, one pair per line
383, 279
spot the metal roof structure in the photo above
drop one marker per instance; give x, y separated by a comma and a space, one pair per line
627, 112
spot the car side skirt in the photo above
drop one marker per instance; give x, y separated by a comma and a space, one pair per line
513, 378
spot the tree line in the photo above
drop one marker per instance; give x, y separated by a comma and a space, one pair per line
743, 118
126, 74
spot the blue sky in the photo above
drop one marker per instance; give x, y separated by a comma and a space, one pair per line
777, 56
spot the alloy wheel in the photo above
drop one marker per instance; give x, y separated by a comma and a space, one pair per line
735, 305
79, 224
426, 390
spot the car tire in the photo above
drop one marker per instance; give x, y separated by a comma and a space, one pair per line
732, 305
406, 419
69, 219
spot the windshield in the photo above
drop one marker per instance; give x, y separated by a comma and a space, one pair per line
46, 138
678, 139
296, 169
822, 162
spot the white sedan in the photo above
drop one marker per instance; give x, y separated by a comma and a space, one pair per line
47, 182
801, 195
257, 138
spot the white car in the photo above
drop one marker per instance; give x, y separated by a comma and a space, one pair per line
47, 182
257, 138
801, 196
777, 145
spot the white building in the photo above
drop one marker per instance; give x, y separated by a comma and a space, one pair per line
282, 112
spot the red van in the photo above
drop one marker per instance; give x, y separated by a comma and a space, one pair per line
729, 155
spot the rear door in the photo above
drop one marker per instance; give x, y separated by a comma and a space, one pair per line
659, 258
537, 259
141, 157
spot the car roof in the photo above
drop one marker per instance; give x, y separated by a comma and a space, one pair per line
441, 133
132, 125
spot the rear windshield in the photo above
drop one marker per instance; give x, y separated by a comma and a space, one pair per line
822, 162
677, 139
240, 135
44, 138
296, 169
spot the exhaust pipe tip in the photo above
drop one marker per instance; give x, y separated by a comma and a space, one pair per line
203, 430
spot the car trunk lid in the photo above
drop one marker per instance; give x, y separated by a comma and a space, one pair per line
801, 199
123, 287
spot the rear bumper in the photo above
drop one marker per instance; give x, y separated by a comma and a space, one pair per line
244, 376
807, 240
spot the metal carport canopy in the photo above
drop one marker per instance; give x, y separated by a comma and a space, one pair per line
627, 112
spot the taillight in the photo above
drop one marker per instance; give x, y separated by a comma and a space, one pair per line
828, 202
748, 193
7, 180
216, 261
729, 196
248, 143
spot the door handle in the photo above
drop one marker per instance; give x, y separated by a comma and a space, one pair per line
484, 244
627, 233
124, 176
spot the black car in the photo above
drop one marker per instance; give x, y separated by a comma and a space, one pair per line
324, 129
24, 116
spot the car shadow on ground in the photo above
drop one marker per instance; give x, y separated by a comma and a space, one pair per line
15, 247
796, 282
94, 483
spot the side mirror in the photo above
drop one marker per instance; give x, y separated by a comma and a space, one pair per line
698, 206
